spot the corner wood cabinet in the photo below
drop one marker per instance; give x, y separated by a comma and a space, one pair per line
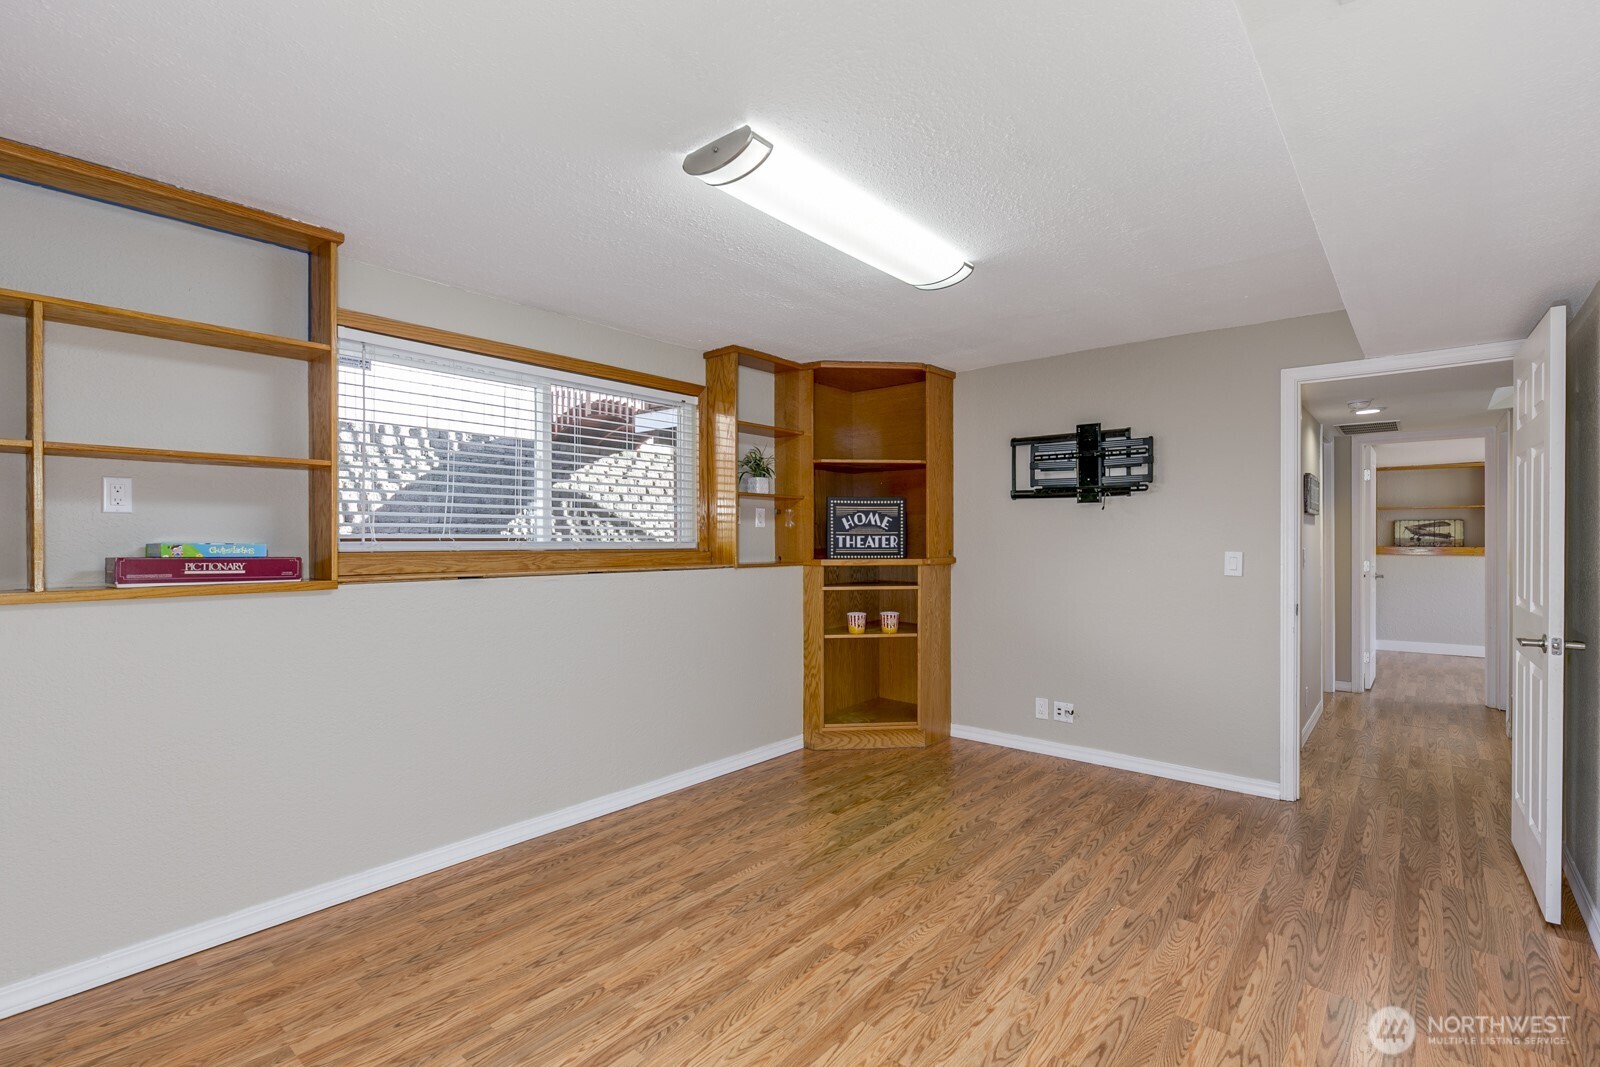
848, 430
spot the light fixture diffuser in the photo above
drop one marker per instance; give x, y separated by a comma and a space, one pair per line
819, 203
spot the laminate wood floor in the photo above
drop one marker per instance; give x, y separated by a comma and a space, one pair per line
959, 905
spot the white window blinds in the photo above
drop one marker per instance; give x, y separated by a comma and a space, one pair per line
441, 448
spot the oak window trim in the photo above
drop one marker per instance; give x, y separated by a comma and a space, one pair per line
424, 564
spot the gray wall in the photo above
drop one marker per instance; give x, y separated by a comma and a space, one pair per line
1582, 770
167, 762
1310, 575
1437, 600
1125, 610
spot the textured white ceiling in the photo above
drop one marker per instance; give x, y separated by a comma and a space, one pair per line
1445, 398
1113, 166
1449, 155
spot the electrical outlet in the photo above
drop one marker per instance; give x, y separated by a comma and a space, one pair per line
116, 495
1064, 711
1041, 707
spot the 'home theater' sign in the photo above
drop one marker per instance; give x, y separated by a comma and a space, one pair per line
866, 529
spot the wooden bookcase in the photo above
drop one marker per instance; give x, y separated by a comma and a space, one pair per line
781, 428
1436, 490
317, 350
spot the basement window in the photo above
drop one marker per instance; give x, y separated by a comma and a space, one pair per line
457, 463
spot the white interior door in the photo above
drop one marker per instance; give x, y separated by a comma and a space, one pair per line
1367, 531
1538, 610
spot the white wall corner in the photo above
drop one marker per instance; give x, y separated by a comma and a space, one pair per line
1587, 906
1311, 723
1177, 772
76, 977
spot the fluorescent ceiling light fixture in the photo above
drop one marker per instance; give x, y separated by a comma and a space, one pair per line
1363, 407
817, 202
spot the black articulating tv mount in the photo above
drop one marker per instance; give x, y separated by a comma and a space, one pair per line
1090, 465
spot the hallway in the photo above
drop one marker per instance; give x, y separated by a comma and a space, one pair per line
1408, 787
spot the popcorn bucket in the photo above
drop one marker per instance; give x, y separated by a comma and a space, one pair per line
856, 621
890, 620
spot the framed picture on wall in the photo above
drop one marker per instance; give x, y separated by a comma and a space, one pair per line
1311, 494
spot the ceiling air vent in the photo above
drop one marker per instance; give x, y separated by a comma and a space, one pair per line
1369, 427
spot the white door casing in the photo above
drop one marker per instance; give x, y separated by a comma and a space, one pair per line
1538, 608
1368, 533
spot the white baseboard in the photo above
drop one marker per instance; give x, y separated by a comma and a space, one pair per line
1430, 648
1584, 896
1343, 687
1311, 723
1256, 787
76, 977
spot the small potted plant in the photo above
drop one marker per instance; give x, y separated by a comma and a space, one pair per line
756, 469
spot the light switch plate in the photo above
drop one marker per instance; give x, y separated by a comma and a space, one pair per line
1233, 564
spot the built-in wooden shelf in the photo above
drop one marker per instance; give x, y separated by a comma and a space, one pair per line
776, 497
866, 587
144, 324
764, 563
879, 711
874, 629
1404, 550
931, 561
316, 349
1433, 466
54, 596
1428, 507
868, 466
170, 455
761, 429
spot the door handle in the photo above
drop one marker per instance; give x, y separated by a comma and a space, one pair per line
1579, 645
1542, 644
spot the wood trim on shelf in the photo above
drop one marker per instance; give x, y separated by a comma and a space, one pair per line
322, 417
874, 629
759, 429
483, 346
35, 465
868, 587
1430, 507
719, 449
492, 563
938, 561
868, 466
58, 596
1403, 550
1432, 466
751, 359
69, 174
145, 324
170, 455
777, 497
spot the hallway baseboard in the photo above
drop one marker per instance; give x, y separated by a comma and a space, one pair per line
1431, 648
1584, 896
1177, 772
1311, 723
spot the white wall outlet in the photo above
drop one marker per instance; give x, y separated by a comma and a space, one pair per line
1233, 564
1041, 707
761, 518
117, 495
1064, 711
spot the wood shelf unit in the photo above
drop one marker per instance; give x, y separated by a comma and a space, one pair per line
317, 350
874, 629
1426, 485
1423, 550
731, 509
